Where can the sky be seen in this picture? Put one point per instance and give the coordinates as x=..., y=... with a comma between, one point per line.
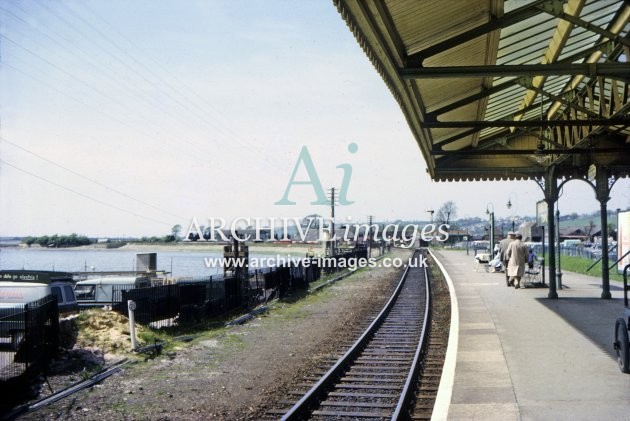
x=125, y=118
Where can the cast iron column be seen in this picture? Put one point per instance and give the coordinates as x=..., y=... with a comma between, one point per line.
x=602, y=190
x=492, y=235
x=551, y=233
x=550, y=189
x=557, y=243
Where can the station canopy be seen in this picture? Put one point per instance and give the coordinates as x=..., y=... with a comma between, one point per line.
x=504, y=90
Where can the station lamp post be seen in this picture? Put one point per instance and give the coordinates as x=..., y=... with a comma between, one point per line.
x=431, y=211
x=509, y=206
x=490, y=211
x=448, y=216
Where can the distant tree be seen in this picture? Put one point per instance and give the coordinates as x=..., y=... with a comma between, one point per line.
x=43, y=240
x=29, y=241
x=176, y=230
x=56, y=240
x=446, y=212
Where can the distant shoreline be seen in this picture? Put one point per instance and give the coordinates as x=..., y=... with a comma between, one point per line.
x=253, y=248
x=258, y=248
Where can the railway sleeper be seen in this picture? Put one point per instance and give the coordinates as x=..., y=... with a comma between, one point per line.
x=358, y=404
x=399, y=380
x=381, y=414
x=364, y=395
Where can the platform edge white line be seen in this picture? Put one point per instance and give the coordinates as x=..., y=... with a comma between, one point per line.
x=445, y=390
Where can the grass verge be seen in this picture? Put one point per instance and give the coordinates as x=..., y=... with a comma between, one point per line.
x=581, y=264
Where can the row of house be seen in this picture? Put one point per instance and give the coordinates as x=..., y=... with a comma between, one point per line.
x=532, y=232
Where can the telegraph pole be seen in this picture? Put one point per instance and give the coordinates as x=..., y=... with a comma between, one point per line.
x=557, y=245
x=332, y=221
x=369, y=233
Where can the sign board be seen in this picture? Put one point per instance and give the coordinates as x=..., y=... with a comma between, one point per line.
x=623, y=239
x=40, y=276
x=541, y=213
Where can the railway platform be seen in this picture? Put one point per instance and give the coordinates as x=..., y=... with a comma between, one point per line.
x=518, y=355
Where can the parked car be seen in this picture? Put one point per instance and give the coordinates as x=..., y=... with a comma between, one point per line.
x=66, y=300
x=571, y=243
x=481, y=245
x=108, y=290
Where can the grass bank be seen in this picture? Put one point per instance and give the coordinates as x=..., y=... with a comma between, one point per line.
x=580, y=264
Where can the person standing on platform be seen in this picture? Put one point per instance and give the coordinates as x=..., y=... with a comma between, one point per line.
x=531, y=258
x=503, y=248
x=517, y=254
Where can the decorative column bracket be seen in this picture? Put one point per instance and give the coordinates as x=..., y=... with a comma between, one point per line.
x=549, y=186
x=603, y=183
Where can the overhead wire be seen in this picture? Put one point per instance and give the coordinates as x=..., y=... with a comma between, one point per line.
x=99, y=111
x=66, y=73
x=78, y=193
x=191, y=108
x=218, y=124
x=90, y=179
x=100, y=92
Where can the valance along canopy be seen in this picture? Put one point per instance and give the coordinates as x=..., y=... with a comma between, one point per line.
x=495, y=89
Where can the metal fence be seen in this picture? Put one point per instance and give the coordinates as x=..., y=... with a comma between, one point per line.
x=277, y=282
x=196, y=299
x=592, y=253
x=191, y=300
x=29, y=338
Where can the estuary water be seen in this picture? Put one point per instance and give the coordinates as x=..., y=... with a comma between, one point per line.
x=179, y=263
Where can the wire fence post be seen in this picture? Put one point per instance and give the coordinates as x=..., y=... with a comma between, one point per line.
x=131, y=306
x=28, y=331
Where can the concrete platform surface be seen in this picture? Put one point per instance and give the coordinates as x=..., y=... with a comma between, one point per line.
x=522, y=356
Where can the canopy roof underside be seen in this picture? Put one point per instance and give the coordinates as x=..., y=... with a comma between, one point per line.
x=495, y=89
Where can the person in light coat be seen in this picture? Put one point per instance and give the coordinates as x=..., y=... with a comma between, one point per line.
x=503, y=247
x=517, y=255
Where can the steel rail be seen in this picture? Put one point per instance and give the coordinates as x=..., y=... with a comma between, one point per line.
x=311, y=398
x=422, y=343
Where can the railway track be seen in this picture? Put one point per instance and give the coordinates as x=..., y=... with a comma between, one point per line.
x=376, y=377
